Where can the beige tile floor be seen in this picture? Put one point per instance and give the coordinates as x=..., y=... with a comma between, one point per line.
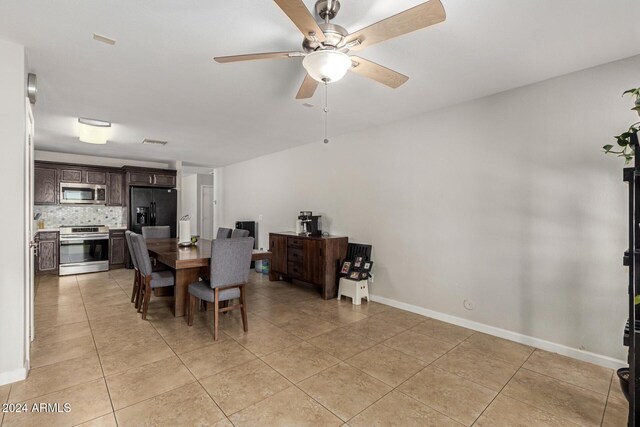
x=304, y=361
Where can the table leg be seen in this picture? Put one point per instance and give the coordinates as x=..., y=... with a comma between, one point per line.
x=184, y=277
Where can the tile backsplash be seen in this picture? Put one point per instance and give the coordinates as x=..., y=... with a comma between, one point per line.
x=55, y=216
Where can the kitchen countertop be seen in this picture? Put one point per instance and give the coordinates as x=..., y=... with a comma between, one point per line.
x=50, y=229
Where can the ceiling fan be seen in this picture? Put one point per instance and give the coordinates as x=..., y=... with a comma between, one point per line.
x=325, y=45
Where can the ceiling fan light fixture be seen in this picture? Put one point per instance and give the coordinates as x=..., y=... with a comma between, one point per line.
x=93, y=131
x=327, y=65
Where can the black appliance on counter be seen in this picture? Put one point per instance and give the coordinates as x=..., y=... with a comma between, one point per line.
x=153, y=206
x=310, y=225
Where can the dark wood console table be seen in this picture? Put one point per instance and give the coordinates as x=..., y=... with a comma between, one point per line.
x=311, y=259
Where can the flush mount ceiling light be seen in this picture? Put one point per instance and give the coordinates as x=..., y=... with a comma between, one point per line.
x=93, y=131
x=327, y=66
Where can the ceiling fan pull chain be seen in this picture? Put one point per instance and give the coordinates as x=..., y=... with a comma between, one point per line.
x=326, y=112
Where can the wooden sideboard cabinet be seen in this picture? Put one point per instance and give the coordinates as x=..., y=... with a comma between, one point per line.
x=310, y=259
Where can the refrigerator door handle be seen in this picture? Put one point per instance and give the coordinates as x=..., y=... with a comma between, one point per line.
x=153, y=213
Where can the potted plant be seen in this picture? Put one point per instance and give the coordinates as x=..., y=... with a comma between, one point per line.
x=624, y=139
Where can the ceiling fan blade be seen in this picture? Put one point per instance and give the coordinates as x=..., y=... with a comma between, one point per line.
x=302, y=18
x=416, y=18
x=377, y=72
x=254, y=56
x=308, y=87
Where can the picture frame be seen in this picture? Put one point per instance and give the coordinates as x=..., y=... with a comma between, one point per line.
x=354, y=275
x=367, y=266
x=364, y=275
x=358, y=261
x=346, y=267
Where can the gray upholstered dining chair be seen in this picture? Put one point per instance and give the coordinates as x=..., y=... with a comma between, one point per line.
x=237, y=233
x=223, y=233
x=149, y=279
x=156, y=232
x=136, y=270
x=230, y=263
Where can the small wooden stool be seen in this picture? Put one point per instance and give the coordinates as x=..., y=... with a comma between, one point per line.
x=356, y=289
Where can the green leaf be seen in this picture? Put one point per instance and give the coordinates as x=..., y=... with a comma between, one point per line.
x=607, y=147
x=622, y=142
x=636, y=299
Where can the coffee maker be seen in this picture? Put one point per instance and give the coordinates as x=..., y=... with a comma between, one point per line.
x=310, y=225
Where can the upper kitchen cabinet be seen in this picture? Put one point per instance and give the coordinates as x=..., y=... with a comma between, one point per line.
x=145, y=177
x=115, y=189
x=95, y=177
x=71, y=175
x=44, y=186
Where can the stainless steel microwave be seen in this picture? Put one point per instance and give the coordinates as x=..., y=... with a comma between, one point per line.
x=90, y=194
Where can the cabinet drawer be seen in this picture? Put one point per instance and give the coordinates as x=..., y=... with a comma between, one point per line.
x=294, y=269
x=295, y=254
x=52, y=235
x=294, y=242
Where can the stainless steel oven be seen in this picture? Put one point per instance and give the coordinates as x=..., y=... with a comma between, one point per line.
x=84, y=249
x=91, y=194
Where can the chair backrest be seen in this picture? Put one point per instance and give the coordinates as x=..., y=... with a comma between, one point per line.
x=142, y=254
x=132, y=254
x=223, y=233
x=230, y=261
x=156, y=232
x=237, y=233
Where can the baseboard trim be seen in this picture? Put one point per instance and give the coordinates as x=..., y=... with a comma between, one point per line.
x=13, y=376
x=586, y=356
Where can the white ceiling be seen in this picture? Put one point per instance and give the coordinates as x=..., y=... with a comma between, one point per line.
x=159, y=80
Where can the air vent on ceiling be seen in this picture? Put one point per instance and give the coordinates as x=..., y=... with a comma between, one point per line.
x=103, y=39
x=154, y=142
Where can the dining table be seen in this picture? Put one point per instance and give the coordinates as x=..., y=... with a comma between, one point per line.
x=188, y=263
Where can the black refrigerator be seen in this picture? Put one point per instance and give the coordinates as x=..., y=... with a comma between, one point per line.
x=153, y=206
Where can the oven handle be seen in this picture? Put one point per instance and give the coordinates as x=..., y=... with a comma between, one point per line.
x=81, y=238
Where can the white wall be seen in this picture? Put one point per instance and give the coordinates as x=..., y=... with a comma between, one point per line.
x=12, y=134
x=190, y=200
x=507, y=201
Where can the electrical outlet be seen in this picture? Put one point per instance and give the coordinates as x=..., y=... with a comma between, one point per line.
x=370, y=277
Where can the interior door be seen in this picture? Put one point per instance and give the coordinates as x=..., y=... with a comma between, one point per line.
x=29, y=329
x=166, y=205
x=206, y=214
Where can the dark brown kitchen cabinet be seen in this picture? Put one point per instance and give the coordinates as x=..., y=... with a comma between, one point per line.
x=44, y=186
x=278, y=249
x=115, y=189
x=71, y=175
x=140, y=178
x=117, y=249
x=164, y=180
x=310, y=259
x=47, y=257
x=95, y=177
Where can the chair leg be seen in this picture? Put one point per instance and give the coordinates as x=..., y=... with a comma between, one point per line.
x=147, y=296
x=243, y=310
x=134, y=291
x=191, y=309
x=141, y=294
x=215, y=314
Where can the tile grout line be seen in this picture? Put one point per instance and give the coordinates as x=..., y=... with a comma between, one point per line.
x=606, y=403
x=502, y=389
x=104, y=378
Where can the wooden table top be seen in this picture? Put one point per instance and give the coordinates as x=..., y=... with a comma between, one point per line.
x=169, y=253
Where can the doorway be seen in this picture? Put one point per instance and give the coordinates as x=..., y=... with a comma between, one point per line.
x=206, y=212
x=29, y=291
